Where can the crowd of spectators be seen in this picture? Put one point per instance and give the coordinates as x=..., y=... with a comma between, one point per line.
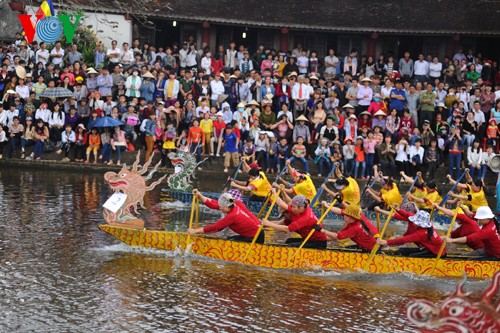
x=267, y=105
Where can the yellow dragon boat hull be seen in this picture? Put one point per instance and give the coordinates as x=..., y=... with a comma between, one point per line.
x=275, y=256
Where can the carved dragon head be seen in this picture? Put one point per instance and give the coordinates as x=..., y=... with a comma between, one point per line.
x=457, y=313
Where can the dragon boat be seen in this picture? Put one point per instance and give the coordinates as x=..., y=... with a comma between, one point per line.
x=255, y=206
x=283, y=257
x=129, y=186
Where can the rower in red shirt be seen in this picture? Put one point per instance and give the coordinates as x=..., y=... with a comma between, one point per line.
x=406, y=210
x=358, y=228
x=489, y=234
x=238, y=218
x=424, y=236
x=299, y=218
x=468, y=225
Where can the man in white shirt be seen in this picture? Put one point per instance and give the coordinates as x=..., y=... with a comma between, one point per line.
x=300, y=95
x=230, y=58
x=440, y=93
x=463, y=96
x=303, y=62
x=241, y=90
x=478, y=114
x=421, y=69
x=183, y=53
x=127, y=56
x=239, y=55
x=57, y=54
x=42, y=55
x=113, y=55
x=217, y=88
x=331, y=63
x=206, y=63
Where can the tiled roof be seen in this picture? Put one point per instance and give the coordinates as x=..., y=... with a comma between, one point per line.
x=421, y=17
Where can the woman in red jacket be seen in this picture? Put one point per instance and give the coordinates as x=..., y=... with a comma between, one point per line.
x=299, y=218
x=489, y=234
x=468, y=225
x=357, y=228
x=424, y=235
x=406, y=210
x=238, y=218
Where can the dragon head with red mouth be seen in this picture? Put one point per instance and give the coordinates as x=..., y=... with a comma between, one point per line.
x=458, y=313
x=118, y=181
x=132, y=183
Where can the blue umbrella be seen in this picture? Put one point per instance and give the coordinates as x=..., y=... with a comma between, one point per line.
x=57, y=92
x=107, y=122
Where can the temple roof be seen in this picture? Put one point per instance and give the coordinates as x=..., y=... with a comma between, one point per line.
x=437, y=17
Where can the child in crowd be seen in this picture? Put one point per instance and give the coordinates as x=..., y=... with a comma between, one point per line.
x=249, y=151
x=68, y=139
x=230, y=144
x=272, y=148
x=168, y=145
x=349, y=156
x=299, y=153
x=282, y=151
x=359, y=151
x=207, y=126
x=80, y=143
x=322, y=159
x=336, y=156
x=492, y=135
x=94, y=145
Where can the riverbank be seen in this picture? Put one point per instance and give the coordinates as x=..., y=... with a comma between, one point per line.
x=211, y=167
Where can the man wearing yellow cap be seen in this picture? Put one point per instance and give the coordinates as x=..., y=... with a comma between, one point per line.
x=360, y=231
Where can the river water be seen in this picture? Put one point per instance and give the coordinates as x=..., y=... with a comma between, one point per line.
x=60, y=273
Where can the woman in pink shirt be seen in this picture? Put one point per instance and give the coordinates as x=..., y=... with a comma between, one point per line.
x=369, y=145
x=118, y=144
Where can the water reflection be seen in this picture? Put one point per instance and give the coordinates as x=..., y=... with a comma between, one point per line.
x=58, y=272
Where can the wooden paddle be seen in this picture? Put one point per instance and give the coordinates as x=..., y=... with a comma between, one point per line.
x=441, y=249
x=378, y=221
x=405, y=198
x=320, y=190
x=261, y=211
x=376, y=246
x=261, y=226
x=375, y=178
x=235, y=174
x=197, y=213
x=194, y=203
x=312, y=230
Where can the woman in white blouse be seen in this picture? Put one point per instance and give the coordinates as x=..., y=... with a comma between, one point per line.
x=402, y=150
x=56, y=124
x=435, y=68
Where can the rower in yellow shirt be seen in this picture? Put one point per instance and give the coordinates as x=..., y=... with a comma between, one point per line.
x=431, y=195
x=388, y=194
x=347, y=187
x=419, y=192
x=471, y=194
x=302, y=185
x=258, y=185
